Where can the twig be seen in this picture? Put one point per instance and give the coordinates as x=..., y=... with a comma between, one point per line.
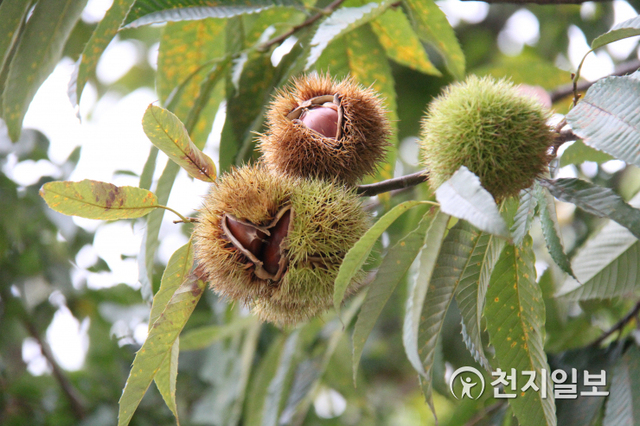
x=392, y=184
x=63, y=381
x=567, y=89
x=282, y=37
x=619, y=325
x=561, y=138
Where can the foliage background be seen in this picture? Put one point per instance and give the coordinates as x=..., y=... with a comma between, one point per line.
x=230, y=376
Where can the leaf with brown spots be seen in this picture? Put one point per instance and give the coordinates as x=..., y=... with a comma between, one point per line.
x=98, y=200
x=167, y=132
x=158, y=347
x=515, y=315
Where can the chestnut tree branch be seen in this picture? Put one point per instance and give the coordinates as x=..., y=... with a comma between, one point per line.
x=392, y=184
x=282, y=37
x=619, y=325
x=567, y=89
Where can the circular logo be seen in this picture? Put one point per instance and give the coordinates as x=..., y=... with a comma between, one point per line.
x=467, y=382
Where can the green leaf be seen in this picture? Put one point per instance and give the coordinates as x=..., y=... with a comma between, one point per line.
x=453, y=259
x=177, y=269
x=150, y=242
x=205, y=336
x=393, y=267
x=13, y=13
x=401, y=42
x=340, y=22
x=524, y=215
x=358, y=254
x=100, y=39
x=607, y=265
x=166, y=378
x=98, y=200
x=191, y=62
x=431, y=25
x=463, y=197
x=419, y=285
x=246, y=100
x=167, y=132
x=146, y=12
x=39, y=51
x=626, y=29
x=551, y=229
x=596, y=200
x=149, y=168
x=578, y=153
x=607, y=117
x=273, y=398
x=471, y=292
x=515, y=317
x=623, y=403
x=158, y=346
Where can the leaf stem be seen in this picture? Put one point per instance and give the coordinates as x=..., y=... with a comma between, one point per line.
x=182, y=218
x=619, y=325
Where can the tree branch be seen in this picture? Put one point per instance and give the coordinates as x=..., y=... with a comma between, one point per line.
x=67, y=387
x=543, y=2
x=567, y=89
x=619, y=325
x=392, y=184
x=282, y=37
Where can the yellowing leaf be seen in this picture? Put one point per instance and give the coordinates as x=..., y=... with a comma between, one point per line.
x=98, y=200
x=168, y=133
x=401, y=42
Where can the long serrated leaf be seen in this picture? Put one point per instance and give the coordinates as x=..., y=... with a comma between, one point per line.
x=247, y=355
x=166, y=378
x=628, y=28
x=551, y=229
x=431, y=25
x=39, y=51
x=401, y=42
x=599, y=201
x=340, y=22
x=524, y=215
x=358, y=254
x=463, y=197
x=245, y=105
x=515, y=317
x=98, y=200
x=452, y=261
x=607, y=264
x=607, y=118
x=205, y=336
x=150, y=242
x=578, y=153
x=146, y=12
x=623, y=403
x=149, y=168
x=100, y=39
x=419, y=285
x=158, y=346
x=393, y=267
x=167, y=132
x=273, y=398
x=471, y=292
x=13, y=14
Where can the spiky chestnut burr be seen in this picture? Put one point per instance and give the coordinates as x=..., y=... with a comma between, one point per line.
x=324, y=128
x=276, y=242
x=490, y=127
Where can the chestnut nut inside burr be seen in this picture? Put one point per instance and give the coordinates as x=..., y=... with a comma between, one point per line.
x=322, y=114
x=262, y=245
